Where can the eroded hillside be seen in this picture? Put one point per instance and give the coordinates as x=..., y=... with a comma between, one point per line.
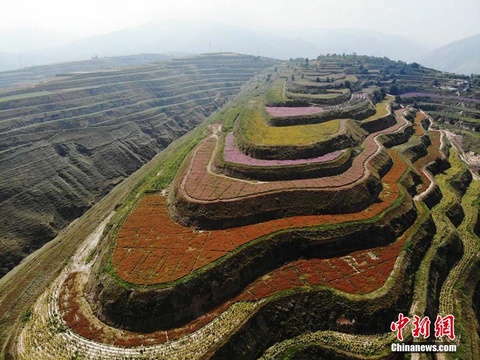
x=68, y=141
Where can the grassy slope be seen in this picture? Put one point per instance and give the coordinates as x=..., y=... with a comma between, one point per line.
x=256, y=130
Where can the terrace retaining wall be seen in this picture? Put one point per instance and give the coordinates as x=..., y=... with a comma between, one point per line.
x=145, y=309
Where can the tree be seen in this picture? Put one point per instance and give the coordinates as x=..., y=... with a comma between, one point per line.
x=394, y=89
x=317, y=79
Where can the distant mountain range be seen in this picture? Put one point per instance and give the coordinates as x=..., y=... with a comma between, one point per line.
x=169, y=37
x=462, y=56
x=9, y=61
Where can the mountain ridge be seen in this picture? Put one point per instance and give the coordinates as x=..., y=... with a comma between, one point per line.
x=461, y=56
x=202, y=37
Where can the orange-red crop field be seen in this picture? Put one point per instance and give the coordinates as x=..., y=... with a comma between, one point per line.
x=359, y=272
x=417, y=125
x=152, y=248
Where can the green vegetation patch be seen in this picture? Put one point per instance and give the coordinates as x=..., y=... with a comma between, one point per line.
x=381, y=109
x=25, y=96
x=254, y=128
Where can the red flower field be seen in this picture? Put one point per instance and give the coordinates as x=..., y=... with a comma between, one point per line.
x=152, y=248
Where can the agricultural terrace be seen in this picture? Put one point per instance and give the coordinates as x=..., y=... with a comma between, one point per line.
x=360, y=272
x=199, y=189
x=293, y=111
x=431, y=149
x=233, y=155
x=254, y=127
x=331, y=97
x=302, y=263
x=357, y=273
x=344, y=273
x=151, y=248
x=197, y=178
x=381, y=109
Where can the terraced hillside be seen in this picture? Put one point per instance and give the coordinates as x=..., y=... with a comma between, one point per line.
x=289, y=225
x=35, y=74
x=67, y=142
x=452, y=100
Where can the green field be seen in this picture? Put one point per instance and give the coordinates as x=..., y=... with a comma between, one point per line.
x=255, y=129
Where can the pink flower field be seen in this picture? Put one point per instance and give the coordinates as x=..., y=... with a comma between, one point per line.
x=293, y=111
x=233, y=155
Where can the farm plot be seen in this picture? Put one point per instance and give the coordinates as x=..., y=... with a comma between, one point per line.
x=233, y=155
x=360, y=272
x=152, y=248
x=381, y=109
x=200, y=184
x=332, y=97
x=417, y=124
x=433, y=153
x=293, y=111
x=254, y=127
x=357, y=273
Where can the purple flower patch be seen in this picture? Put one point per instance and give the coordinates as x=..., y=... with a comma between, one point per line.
x=233, y=155
x=293, y=111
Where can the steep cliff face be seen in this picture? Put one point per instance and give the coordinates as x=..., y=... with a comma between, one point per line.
x=67, y=142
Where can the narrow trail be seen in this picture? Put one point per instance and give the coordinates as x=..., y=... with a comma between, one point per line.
x=451, y=137
x=428, y=174
x=46, y=336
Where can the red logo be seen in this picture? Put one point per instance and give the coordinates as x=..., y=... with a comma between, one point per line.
x=444, y=326
x=399, y=325
x=421, y=327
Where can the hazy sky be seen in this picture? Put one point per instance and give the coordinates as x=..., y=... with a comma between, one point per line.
x=432, y=21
